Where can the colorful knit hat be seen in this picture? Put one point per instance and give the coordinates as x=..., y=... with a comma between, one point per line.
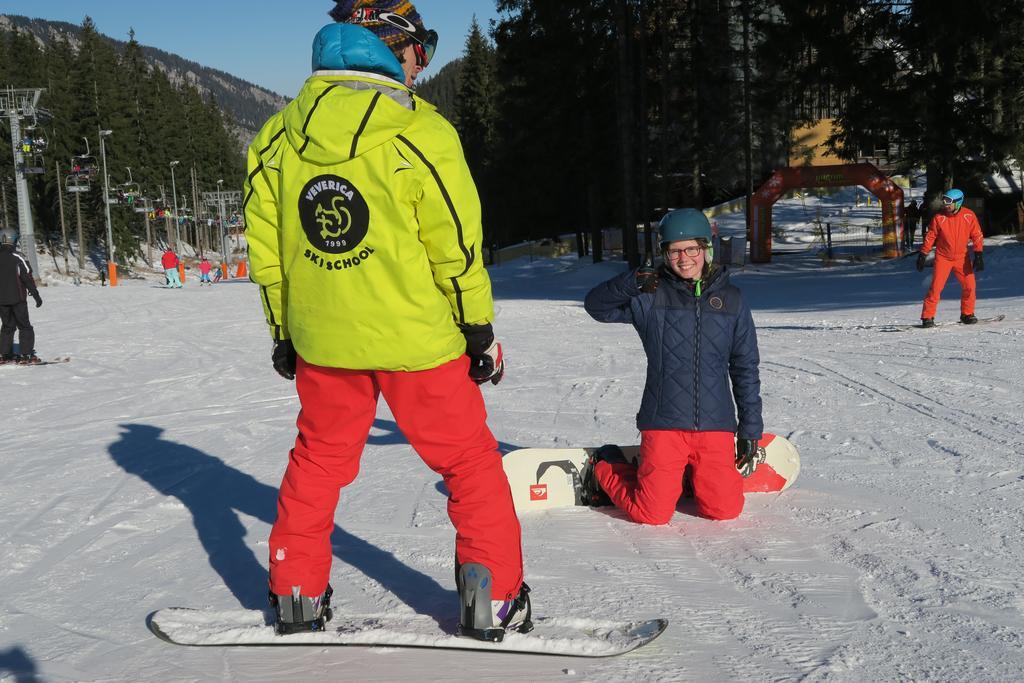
x=395, y=38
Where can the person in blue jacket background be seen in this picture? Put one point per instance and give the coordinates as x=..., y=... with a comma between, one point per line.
x=703, y=386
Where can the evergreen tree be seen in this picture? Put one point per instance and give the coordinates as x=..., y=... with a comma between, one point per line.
x=442, y=89
x=939, y=88
x=476, y=107
x=96, y=87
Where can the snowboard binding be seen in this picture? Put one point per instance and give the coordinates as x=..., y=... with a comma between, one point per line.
x=484, y=619
x=297, y=613
x=590, y=489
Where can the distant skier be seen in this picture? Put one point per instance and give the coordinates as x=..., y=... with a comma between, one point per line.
x=170, y=263
x=364, y=232
x=911, y=215
x=699, y=338
x=204, y=272
x=950, y=232
x=16, y=284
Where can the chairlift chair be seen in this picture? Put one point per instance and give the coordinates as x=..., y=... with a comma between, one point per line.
x=76, y=183
x=85, y=164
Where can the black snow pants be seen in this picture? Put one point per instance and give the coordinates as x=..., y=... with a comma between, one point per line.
x=15, y=317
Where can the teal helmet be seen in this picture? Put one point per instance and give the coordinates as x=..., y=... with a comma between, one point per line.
x=953, y=198
x=684, y=224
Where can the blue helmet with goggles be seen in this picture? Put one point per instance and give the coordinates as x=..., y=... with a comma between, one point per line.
x=954, y=199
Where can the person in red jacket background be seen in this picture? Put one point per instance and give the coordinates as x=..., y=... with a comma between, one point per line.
x=204, y=272
x=170, y=263
x=949, y=233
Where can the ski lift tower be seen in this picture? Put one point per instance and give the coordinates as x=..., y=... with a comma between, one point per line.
x=17, y=104
x=217, y=200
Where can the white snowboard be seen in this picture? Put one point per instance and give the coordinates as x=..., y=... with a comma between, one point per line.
x=545, y=478
x=550, y=636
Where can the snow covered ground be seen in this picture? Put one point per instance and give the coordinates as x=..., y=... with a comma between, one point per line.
x=143, y=475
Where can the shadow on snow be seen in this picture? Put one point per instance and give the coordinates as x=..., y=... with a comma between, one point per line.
x=215, y=494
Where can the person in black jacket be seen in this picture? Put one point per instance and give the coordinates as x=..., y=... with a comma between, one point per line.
x=15, y=283
x=703, y=385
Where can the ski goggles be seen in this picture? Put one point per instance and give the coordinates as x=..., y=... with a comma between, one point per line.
x=424, y=41
x=948, y=201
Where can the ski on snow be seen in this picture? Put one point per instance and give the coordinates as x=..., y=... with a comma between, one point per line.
x=53, y=361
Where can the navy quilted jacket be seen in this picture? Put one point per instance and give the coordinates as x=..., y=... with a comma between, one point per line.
x=694, y=346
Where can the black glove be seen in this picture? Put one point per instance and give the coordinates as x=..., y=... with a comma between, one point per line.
x=746, y=456
x=486, y=363
x=647, y=279
x=39, y=299
x=284, y=358
x=921, y=259
x=979, y=263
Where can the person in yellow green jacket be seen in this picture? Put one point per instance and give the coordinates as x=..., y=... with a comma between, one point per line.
x=364, y=232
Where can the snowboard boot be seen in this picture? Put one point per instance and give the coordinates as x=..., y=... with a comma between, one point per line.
x=927, y=322
x=296, y=613
x=968, y=319
x=590, y=489
x=7, y=358
x=485, y=619
x=29, y=358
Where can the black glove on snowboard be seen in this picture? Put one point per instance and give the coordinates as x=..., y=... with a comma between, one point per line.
x=979, y=262
x=647, y=279
x=921, y=259
x=39, y=299
x=486, y=363
x=746, y=456
x=284, y=358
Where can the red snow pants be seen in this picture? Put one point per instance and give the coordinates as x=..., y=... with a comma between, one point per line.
x=964, y=272
x=649, y=493
x=441, y=412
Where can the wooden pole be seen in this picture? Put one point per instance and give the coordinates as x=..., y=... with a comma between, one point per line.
x=63, y=225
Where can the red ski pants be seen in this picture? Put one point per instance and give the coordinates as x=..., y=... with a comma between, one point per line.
x=649, y=493
x=441, y=412
x=964, y=272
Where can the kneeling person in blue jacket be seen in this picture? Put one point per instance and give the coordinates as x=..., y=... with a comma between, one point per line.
x=702, y=387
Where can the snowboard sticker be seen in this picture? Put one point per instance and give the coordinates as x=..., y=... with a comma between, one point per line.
x=564, y=636
x=546, y=478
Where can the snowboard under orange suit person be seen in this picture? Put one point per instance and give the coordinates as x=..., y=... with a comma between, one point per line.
x=949, y=233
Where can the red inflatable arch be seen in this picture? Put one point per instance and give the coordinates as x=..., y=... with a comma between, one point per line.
x=759, y=220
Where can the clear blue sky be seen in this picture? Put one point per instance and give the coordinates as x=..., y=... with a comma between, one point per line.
x=266, y=42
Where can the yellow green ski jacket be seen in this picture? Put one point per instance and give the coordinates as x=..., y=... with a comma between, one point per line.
x=363, y=226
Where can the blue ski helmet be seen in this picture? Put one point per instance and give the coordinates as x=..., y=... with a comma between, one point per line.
x=953, y=198
x=684, y=224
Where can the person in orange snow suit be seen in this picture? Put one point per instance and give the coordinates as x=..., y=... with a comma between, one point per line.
x=365, y=235
x=949, y=232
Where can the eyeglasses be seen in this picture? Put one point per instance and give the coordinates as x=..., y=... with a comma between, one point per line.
x=424, y=41
x=674, y=254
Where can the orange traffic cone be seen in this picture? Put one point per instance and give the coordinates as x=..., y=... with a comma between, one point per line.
x=224, y=271
x=243, y=270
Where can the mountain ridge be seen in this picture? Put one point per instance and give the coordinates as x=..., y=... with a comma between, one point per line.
x=248, y=104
